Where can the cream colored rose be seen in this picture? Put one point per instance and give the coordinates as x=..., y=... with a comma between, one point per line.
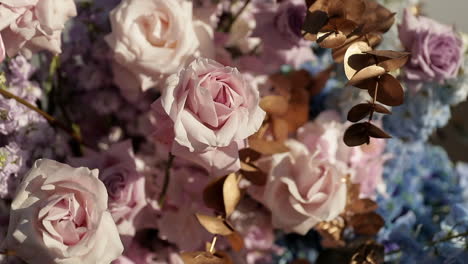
x=152, y=39
x=59, y=215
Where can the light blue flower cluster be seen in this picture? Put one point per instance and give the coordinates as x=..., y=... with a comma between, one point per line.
x=421, y=188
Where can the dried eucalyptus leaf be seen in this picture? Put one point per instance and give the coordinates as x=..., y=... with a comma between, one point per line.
x=367, y=73
x=359, y=112
x=215, y=225
x=253, y=174
x=367, y=224
x=274, y=104
x=249, y=155
x=213, y=195
x=236, y=241
x=376, y=132
x=356, y=64
x=331, y=39
x=201, y=257
x=231, y=194
x=343, y=25
x=356, y=135
x=369, y=253
x=267, y=147
x=280, y=129
x=389, y=91
x=394, y=64
x=382, y=109
x=362, y=206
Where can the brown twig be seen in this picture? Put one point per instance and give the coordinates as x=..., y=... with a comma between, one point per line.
x=167, y=174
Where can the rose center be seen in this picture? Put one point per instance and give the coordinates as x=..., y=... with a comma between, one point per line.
x=156, y=28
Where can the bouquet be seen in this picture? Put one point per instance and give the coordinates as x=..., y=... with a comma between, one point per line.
x=229, y=131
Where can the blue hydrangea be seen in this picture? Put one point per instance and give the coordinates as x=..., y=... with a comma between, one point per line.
x=418, y=117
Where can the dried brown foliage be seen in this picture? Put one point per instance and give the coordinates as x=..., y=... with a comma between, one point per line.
x=352, y=28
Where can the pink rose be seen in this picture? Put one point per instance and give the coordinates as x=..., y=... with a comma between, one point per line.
x=125, y=185
x=205, y=114
x=324, y=137
x=153, y=39
x=32, y=25
x=2, y=49
x=302, y=190
x=60, y=215
x=436, y=49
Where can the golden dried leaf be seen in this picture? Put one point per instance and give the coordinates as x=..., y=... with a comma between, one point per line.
x=201, y=257
x=389, y=91
x=249, y=155
x=215, y=225
x=280, y=129
x=356, y=63
x=231, y=194
x=266, y=147
x=369, y=253
x=354, y=9
x=313, y=22
x=339, y=52
x=274, y=104
x=356, y=135
x=343, y=25
x=331, y=39
x=335, y=8
x=213, y=195
x=367, y=224
x=236, y=241
x=331, y=232
x=366, y=73
x=359, y=112
x=362, y=206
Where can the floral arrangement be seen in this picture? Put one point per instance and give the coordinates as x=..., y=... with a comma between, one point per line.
x=214, y=131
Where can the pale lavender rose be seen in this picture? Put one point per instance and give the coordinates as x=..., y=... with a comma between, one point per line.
x=153, y=39
x=32, y=25
x=125, y=185
x=184, y=199
x=436, y=49
x=302, y=190
x=59, y=215
x=279, y=27
x=210, y=110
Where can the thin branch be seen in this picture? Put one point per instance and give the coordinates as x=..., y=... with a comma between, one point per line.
x=167, y=174
x=49, y=118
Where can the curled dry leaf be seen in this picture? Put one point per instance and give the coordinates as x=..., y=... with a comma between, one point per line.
x=359, y=112
x=231, y=193
x=274, y=104
x=366, y=224
x=201, y=257
x=376, y=132
x=369, y=253
x=215, y=225
x=366, y=73
x=339, y=52
x=332, y=232
x=266, y=147
x=356, y=135
x=331, y=39
x=353, y=63
x=213, y=195
x=390, y=91
x=381, y=109
x=236, y=241
x=253, y=174
x=363, y=206
x=249, y=155
x=390, y=60
x=280, y=129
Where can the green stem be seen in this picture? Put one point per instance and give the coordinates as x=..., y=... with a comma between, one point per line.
x=167, y=174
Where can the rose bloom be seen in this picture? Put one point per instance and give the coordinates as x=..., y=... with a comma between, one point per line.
x=324, y=137
x=125, y=185
x=152, y=39
x=31, y=25
x=60, y=215
x=302, y=190
x=436, y=49
x=206, y=113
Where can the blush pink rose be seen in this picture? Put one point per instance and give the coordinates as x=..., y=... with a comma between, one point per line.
x=28, y=26
x=125, y=185
x=2, y=49
x=302, y=190
x=324, y=136
x=152, y=39
x=59, y=215
x=206, y=113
